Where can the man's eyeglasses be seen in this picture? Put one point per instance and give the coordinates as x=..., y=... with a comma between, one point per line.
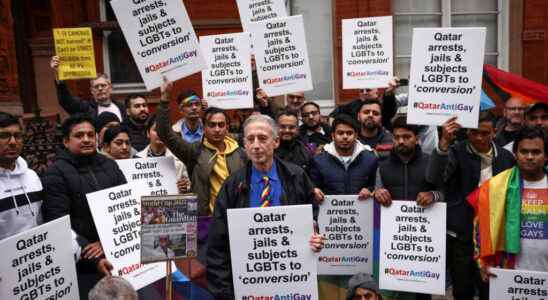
x=6, y=136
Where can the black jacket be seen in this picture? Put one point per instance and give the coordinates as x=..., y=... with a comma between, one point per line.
x=66, y=184
x=316, y=138
x=294, y=152
x=458, y=173
x=405, y=180
x=297, y=190
x=74, y=105
x=137, y=134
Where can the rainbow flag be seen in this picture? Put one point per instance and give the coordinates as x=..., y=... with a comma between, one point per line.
x=499, y=86
x=497, y=206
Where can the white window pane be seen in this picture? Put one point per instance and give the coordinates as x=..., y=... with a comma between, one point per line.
x=404, y=30
x=409, y=6
x=488, y=21
x=473, y=5
x=317, y=16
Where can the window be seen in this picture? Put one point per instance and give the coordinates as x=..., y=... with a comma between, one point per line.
x=117, y=59
x=491, y=14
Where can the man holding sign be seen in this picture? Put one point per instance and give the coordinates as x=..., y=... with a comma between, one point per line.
x=263, y=182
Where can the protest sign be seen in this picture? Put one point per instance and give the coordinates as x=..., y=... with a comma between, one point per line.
x=168, y=227
x=412, y=248
x=518, y=285
x=159, y=173
x=259, y=10
x=367, y=52
x=227, y=83
x=74, y=46
x=37, y=264
x=271, y=256
x=116, y=213
x=161, y=39
x=281, y=56
x=348, y=226
x=445, y=76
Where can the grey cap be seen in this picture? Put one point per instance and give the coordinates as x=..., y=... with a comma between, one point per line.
x=361, y=280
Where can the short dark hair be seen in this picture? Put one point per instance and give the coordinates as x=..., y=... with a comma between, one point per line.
x=486, y=116
x=212, y=110
x=370, y=102
x=74, y=120
x=310, y=103
x=286, y=112
x=185, y=94
x=536, y=107
x=8, y=120
x=128, y=99
x=401, y=122
x=150, y=122
x=112, y=133
x=530, y=133
x=346, y=120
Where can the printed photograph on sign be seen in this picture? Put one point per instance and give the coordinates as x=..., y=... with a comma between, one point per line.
x=412, y=247
x=74, y=46
x=161, y=39
x=348, y=226
x=367, y=52
x=168, y=227
x=281, y=56
x=227, y=82
x=446, y=75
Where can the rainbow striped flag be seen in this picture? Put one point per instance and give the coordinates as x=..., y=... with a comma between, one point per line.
x=497, y=206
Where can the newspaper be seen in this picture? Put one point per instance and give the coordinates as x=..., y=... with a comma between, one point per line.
x=168, y=229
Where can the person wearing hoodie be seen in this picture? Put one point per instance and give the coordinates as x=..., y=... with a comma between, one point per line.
x=345, y=167
x=402, y=176
x=78, y=170
x=291, y=148
x=20, y=187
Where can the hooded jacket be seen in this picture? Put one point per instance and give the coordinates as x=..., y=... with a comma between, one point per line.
x=67, y=182
x=20, y=199
x=137, y=134
x=198, y=158
x=331, y=176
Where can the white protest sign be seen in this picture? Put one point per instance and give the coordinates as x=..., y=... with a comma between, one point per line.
x=161, y=39
x=348, y=225
x=445, y=76
x=116, y=212
x=227, y=83
x=412, y=248
x=367, y=52
x=518, y=285
x=259, y=10
x=159, y=173
x=271, y=256
x=281, y=56
x=37, y=264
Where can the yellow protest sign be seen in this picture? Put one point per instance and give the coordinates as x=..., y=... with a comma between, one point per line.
x=74, y=46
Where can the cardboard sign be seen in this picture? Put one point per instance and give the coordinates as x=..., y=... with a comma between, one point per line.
x=281, y=56
x=518, y=285
x=270, y=251
x=259, y=10
x=117, y=215
x=348, y=226
x=159, y=173
x=445, y=76
x=412, y=248
x=227, y=83
x=74, y=46
x=367, y=52
x=161, y=39
x=37, y=264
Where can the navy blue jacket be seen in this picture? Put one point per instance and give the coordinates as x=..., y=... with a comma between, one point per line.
x=329, y=174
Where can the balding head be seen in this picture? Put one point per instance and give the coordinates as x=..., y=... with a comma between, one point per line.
x=514, y=110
